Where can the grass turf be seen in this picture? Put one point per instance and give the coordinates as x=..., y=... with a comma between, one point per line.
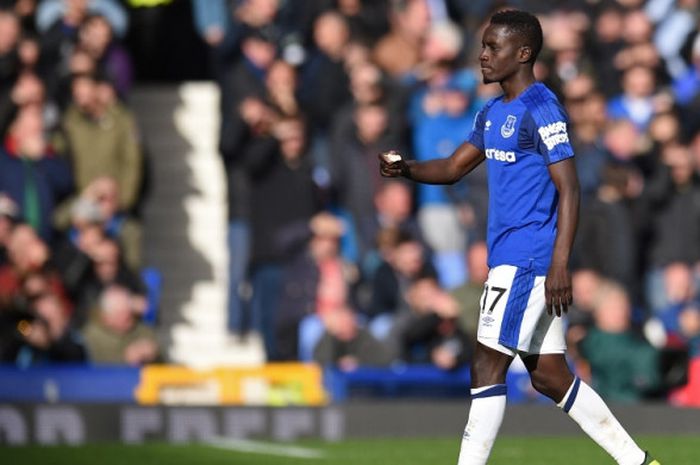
x=670, y=450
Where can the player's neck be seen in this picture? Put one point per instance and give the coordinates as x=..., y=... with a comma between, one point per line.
x=516, y=84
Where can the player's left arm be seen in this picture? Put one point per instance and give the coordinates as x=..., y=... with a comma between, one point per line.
x=558, y=282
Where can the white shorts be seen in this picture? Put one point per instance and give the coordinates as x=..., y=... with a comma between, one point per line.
x=513, y=318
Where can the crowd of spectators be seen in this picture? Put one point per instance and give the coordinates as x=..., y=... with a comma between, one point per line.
x=331, y=262
x=71, y=173
x=328, y=260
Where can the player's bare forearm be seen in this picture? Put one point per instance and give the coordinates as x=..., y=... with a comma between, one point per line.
x=566, y=181
x=558, y=291
x=439, y=171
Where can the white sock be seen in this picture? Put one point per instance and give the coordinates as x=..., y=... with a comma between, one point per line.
x=485, y=417
x=587, y=409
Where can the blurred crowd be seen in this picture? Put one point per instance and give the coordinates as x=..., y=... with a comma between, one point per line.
x=330, y=262
x=72, y=285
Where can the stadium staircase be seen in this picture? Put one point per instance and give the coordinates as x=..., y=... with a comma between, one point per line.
x=184, y=218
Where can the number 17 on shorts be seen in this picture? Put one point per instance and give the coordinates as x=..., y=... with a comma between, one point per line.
x=513, y=317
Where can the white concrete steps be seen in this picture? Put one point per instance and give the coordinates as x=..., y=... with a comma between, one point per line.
x=185, y=223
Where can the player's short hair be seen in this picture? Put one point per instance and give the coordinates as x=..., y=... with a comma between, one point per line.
x=525, y=25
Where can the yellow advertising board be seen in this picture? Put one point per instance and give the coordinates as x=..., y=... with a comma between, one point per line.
x=275, y=384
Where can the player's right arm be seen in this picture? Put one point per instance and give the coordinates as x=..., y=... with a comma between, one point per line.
x=448, y=170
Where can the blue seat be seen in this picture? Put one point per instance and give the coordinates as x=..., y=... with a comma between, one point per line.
x=153, y=279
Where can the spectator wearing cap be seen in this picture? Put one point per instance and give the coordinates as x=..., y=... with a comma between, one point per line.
x=8, y=218
x=30, y=172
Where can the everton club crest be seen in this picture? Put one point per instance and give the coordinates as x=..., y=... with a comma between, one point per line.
x=508, y=127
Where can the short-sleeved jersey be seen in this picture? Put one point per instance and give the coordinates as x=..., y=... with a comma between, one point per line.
x=520, y=138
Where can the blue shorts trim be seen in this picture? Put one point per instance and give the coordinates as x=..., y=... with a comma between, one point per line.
x=523, y=282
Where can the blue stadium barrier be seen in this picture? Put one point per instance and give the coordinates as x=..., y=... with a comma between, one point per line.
x=417, y=381
x=117, y=383
x=69, y=383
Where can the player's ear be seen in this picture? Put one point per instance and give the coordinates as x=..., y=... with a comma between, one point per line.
x=525, y=54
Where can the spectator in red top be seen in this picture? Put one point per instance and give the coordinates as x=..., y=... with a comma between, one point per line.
x=28, y=274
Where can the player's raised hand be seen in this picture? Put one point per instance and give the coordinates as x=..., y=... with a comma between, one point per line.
x=392, y=164
x=557, y=290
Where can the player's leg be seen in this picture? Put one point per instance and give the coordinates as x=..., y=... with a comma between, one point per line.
x=490, y=364
x=551, y=376
x=488, y=404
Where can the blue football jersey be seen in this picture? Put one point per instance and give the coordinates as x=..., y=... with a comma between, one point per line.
x=520, y=139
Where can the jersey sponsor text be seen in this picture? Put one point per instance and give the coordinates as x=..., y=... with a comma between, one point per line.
x=500, y=155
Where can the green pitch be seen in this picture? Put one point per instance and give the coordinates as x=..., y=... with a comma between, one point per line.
x=671, y=450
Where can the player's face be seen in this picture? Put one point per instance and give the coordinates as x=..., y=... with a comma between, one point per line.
x=500, y=54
